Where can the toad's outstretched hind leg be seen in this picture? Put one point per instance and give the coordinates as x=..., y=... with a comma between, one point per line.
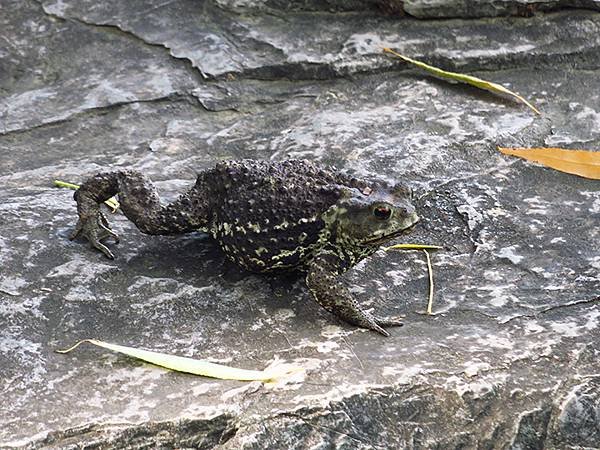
x=141, y=204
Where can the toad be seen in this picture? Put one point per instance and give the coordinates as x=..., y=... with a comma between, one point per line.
x=267, y=216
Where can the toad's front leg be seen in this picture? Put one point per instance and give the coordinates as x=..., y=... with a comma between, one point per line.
x=331, y=294
x=140, y=203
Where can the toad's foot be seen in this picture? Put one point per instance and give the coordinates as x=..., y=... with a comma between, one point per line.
x=366, y=320
x=331, y=294
x=95, y=228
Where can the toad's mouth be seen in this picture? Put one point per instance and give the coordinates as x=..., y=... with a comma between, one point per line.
x=390, y=236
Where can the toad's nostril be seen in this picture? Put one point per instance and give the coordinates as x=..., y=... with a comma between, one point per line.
x=406, y=211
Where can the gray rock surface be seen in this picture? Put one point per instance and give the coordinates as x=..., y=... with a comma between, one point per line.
x=511, y=358
x=485, y=8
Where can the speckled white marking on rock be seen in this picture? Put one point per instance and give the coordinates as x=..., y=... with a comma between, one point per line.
x=175, y=290
x=324, y=347
x=478, y=388
x=12, y=284
x=510, y=254
x=474, y=217
x=485, y=52
x=537, y=205
x=533, y=327
x=567, y=328
x=23, y=306
x=246, y=388
x=592, y=319
x=595, y=208
x=30, y=355
x=81, y=275
x=498, y=294
x=57, y=8
x=334, y=332
x=283, y=314
x=495, y=342
x=473, y=368
x=402, y=374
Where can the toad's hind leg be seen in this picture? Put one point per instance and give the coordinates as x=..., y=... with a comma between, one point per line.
x=141, y=204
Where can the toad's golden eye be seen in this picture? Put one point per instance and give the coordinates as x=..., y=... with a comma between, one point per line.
x=382, y=212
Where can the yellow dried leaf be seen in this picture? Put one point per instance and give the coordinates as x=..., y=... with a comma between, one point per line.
x=585, y=163
x=468, y=79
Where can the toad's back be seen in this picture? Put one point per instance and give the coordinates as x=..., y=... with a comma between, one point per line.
x=268, y=215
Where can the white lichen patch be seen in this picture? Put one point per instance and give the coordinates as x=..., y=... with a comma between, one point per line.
x=23, y=306
x=334, y=332
x=81, y=276
x=533, y=327
x=476, y=386
x=595, y=197
x=510, y=253
x=169, y=290
x=202, y=389
x=136, y=409
x=495, y=341
x=12, y=284
x=403, y=374
x=283, y=314
x=568, y=328
x=493, y=275
x=471, y=209
x=473, y=368
x=327, y=346
x=399, y=277
x=323, y=347
x=338, y=392
x=542, y=271
x=58, y=8
x=537, y=205
x=499, y=295
x=487, y=51
x=592, y=318
x=240, y=391
x=132, y=377
x=30, y=356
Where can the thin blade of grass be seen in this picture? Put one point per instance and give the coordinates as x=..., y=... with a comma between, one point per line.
x=468, y=79
x=193, y=366
x=430, y=272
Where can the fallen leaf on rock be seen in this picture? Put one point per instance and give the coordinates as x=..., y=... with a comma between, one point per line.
x=468, y=79
x=195, y=366
x=112, y=203
x=585, y=163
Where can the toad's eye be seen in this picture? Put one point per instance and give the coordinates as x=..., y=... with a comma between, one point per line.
x=382, y=212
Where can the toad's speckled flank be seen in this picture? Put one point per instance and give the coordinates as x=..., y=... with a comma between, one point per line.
x=267, y=216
